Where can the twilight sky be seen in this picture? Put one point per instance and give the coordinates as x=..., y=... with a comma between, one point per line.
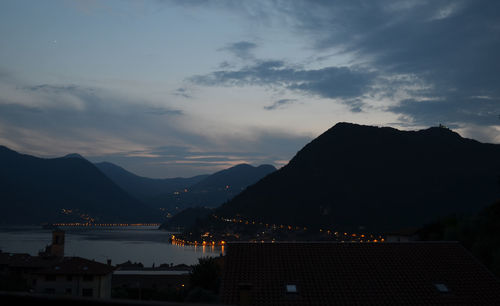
x=179, y=88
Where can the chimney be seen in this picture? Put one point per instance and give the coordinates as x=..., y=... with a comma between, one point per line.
x=245, y=290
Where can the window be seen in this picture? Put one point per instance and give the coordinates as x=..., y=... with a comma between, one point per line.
x=49, y=291
x=88, y=278
x=87, y=292
x=69, y=278
x=68, y=291
x=291, y=288
x=442, y=288
x=50, y=278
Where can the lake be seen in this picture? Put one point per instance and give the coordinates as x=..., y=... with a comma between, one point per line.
x=137, y=244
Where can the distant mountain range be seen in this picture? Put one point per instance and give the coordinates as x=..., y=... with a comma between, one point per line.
x=72, y=189
x=356, y=177
x=67, y=189
x=176, y=194
x=146, y=188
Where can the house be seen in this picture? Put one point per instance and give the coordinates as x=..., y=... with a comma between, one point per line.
x=163, y=278
x=52, y=273
x=326, y=273
x=74, y=276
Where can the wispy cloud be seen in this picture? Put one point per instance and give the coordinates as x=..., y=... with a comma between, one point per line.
x=241, y=49
x=328, y=82
x=280, y=104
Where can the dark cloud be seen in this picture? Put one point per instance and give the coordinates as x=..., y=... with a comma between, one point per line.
x=478, y=111
x=329, y=82
x=241, y=49
x=182, y=92
x=448, y=47
x=163, y=111
x=451, y=46
x=280, y=104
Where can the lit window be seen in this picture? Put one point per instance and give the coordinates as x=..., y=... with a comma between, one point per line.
x=291, y=288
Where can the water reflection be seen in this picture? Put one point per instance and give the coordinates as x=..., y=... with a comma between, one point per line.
x=137, y=245
x=212, y=250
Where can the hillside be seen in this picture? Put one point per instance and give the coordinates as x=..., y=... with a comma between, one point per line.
x=363, y=177
x=35, y=190
x=143, y=187
x=215, y=189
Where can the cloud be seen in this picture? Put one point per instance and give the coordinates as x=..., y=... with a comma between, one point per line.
x=280, y=104
x=59, y=119
x=241, y=49
x=182, y=92
x=263, y=147
x=476, y=111
x=450, y=46
x=163, y=111
x=148, y=137
x=328, y=82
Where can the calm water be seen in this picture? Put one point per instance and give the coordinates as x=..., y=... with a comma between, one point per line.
x=137, y=244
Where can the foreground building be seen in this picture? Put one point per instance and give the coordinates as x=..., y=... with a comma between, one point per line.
x=74, y=276
x=130, y=276
x=418, y=273
x=52, y=273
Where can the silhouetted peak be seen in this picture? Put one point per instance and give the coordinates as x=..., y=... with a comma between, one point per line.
x=345, y=128
x=267, y=166
x=74, y=155
x=6, y=150
x=440, y=130
x=106, y=164
x=241, y=166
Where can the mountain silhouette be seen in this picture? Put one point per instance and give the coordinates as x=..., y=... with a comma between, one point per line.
x=364, y=177
x=215, y=189
x=142, y=187
x=35, y=190
x=175, y=194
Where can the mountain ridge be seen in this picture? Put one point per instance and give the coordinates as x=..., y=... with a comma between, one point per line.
x=36, y=190
x=412, y=176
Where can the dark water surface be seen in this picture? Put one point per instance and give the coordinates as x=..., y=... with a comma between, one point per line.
x=137, y=244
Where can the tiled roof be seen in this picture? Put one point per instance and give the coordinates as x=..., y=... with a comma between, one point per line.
x=26, y=261
x=357, y=274
x=77, y=266
x=54, y=265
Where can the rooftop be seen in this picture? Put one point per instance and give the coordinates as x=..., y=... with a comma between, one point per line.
x=54, y=265
x=356, y=273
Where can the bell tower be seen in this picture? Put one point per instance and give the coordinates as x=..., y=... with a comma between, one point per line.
x=57, y=247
